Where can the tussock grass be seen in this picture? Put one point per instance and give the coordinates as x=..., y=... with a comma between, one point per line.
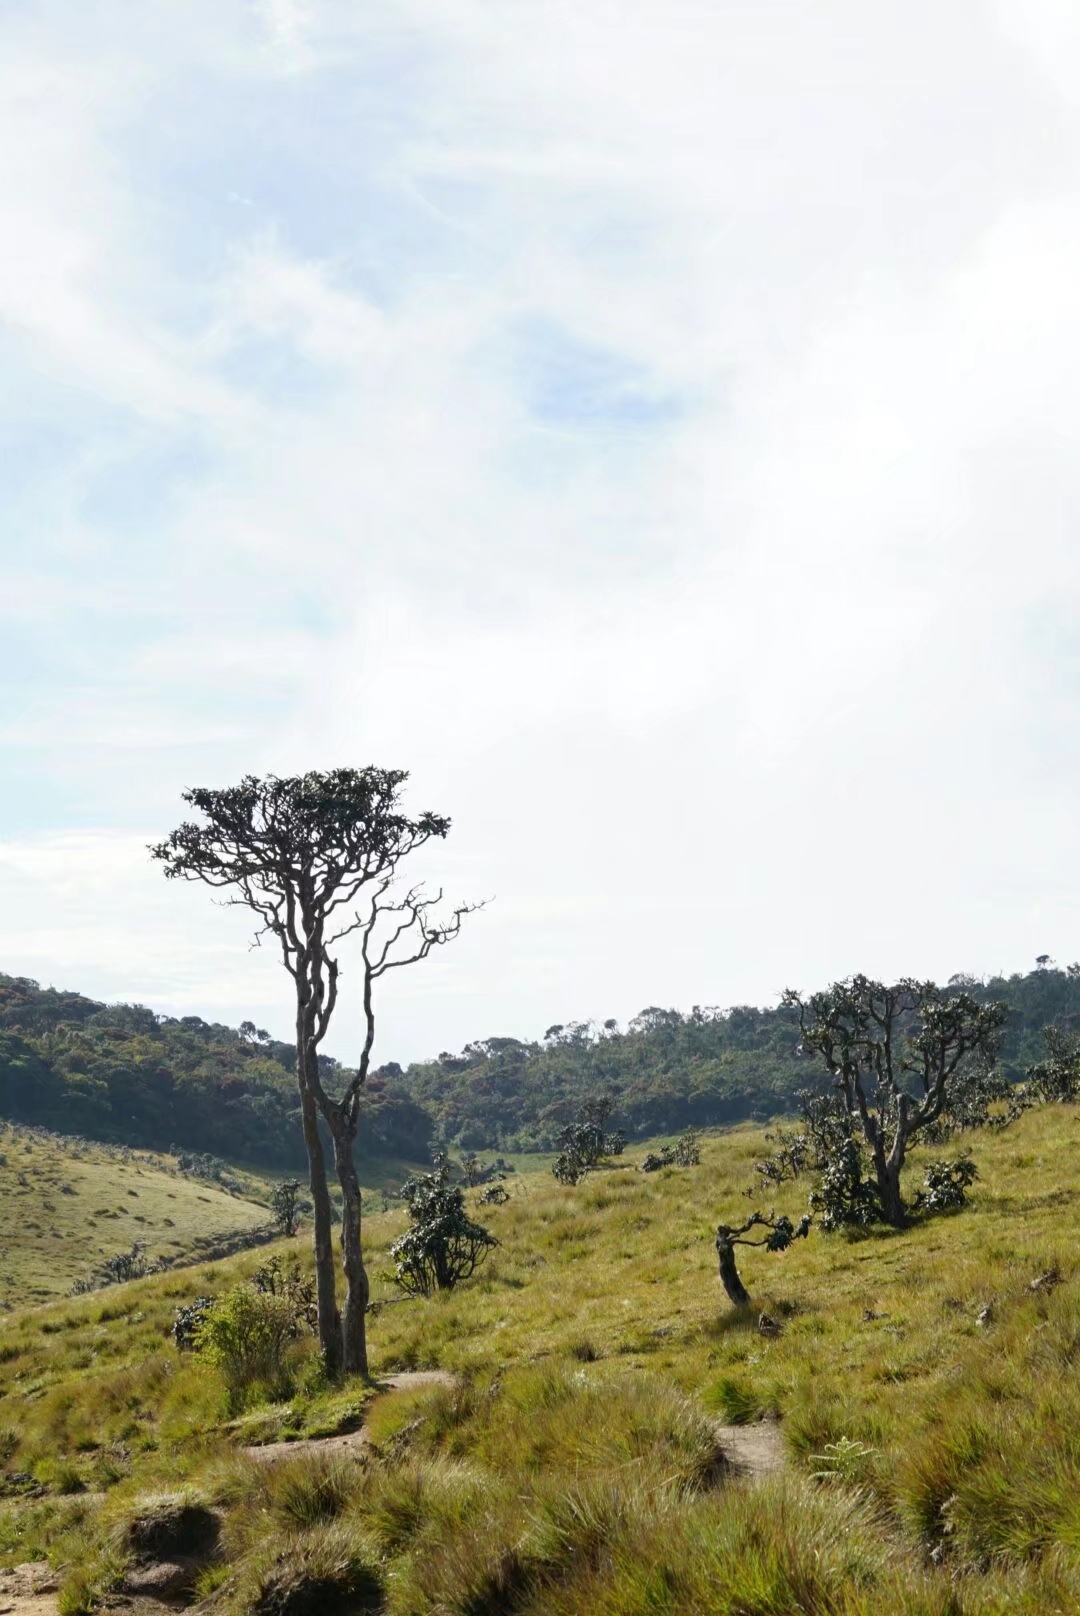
x=557, y=1420
x=573, y=1468
x=325, y=1571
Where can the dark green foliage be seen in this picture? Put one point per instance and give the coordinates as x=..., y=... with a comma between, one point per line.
x=493, y=1195
x=688, y=1149
x=896, y=1052
x=704, y=1069
x=584, y=1144
x=671, y=1070
x=285, y=1205
x=443, y=1245
x=116, y=1270
x=843, y=1197
x=1055, y=1080
x=946, y=1185
x=122, y=1074
x=685, y=1152
x=791, y=1156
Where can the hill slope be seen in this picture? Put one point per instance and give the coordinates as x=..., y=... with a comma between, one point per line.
x=923, y=1382
x=68, y=1206
x=123, y=1074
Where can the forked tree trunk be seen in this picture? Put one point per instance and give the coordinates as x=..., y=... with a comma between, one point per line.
x=329, y=1322
x=887, y=1172
x=357, y=1289
x=729, y=1273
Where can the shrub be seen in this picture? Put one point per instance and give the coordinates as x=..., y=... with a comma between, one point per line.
x=685, y=1152
x=946, y=1185
x=188, y=1321
x=443, y=1245
x=285, y=1205
x=844, y=1198
x=284, y=1277
x=1056, y=1080
x=688, y=1148
x=116, y=1270
x=247, y=1334
x=584, y=1144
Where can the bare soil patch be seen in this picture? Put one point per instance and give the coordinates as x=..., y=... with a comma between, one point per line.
x=753, y=1450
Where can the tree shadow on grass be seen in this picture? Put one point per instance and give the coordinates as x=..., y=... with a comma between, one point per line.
x=746, y=1320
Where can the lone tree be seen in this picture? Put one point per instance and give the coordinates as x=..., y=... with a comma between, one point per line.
x=895, y=1054
x=779, y=1233
x=315, y=857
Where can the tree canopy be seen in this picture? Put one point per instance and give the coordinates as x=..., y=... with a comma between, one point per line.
x=122, y=1074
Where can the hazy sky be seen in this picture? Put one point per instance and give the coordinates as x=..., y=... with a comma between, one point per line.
x=654, y=424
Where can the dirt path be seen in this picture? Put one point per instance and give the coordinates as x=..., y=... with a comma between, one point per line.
x=270, y=1452
x=28, y=1590
x=752, y=1450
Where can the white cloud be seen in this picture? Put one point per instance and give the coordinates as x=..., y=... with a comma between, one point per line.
x=762, y=682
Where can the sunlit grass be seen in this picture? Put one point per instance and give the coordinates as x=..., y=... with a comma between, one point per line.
x=69, y=1205
x=574, y=1468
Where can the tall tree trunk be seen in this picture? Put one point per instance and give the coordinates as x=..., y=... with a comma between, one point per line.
x=729, y=1273
x=323, y=1233
x=357, y=1289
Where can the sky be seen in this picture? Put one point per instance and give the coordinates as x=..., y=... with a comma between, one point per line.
x=652, y=424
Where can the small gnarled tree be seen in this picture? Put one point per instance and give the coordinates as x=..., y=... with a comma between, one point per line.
x=778, y=1235
x=315, y=857
x=896, y=1053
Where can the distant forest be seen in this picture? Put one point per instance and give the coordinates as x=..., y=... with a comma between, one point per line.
x=123, y=1074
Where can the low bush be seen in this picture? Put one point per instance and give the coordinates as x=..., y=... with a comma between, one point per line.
x=247, y=1335
x=945, y=1185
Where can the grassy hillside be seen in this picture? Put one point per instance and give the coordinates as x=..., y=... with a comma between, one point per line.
x=67, y=1205
x=926, y=1394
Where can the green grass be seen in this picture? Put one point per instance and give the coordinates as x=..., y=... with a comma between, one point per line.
x=934, y=1465
x=69, y=1204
